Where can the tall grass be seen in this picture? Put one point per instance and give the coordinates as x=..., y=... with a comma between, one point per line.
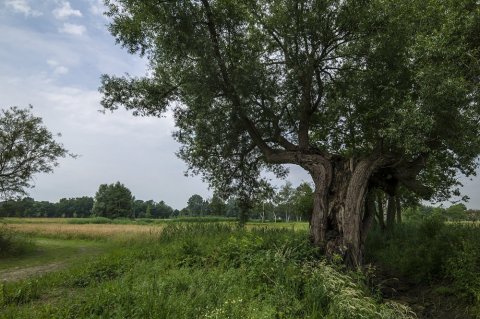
x=432, y=251
x=13, y=244
x=87, y=231
x=201, y=271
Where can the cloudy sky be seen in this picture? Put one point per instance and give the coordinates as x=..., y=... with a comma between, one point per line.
x=52, y=53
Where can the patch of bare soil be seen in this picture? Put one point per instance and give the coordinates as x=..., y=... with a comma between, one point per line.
x=22, y=273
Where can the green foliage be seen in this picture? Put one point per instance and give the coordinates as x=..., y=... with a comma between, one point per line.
x=416, y=251
x=12, y=244
x=26, y=148
x=92, y=220
x=112, y=201
x=390, y=80
x=217, y=206
x=431, y=251
x=65, y=207
x=303, y=201
x=456, y=212
x=201, y=271
x=196, y=206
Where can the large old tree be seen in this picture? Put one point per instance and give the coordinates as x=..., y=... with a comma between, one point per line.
x=372, y=94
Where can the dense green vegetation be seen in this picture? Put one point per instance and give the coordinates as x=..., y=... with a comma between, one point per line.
x=218, y=270
x=432, y=253
x=366, y=96
x=115, y=201
x=201, y=271
x=12, y=244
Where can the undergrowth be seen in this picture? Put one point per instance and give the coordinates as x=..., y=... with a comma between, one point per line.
x=201, y=271
x=432, y=251
x=13, y=244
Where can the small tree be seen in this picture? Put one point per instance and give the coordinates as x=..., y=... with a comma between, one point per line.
x=285, y=200
x=456, y=212
x=196, y=205
x=217, y=206
x=26, y=147
x=112, y=201
x=303, y=201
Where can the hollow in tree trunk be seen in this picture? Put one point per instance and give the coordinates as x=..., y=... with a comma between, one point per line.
x=339, y=220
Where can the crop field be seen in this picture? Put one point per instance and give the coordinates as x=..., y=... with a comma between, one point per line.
x=86, y=231
x=72, y=228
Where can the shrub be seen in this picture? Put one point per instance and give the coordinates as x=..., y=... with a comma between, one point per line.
x=90, y=220
x=12, y=244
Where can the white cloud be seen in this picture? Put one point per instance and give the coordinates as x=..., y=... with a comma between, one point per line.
x=57, y=68
x=74, y=29
x=97, y=7
x=22, y=6
x=60, y=70
x=65, y=11
x=52, y=62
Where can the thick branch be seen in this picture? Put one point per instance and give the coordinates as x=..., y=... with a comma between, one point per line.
x=233, y=96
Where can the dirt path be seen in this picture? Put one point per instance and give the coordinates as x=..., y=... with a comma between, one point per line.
x=50, y=255
x=22, y=273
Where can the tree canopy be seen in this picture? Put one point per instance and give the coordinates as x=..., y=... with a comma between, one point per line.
x=112, y=201
x=27, y=147
x=361, y=94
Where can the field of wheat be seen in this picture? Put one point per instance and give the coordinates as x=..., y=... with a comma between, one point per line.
x=86, y=231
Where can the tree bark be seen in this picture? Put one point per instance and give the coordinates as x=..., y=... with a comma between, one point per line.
x=369, y=214
x=399, y=210
x=380, y=213
x=340, y=221
x=391, y=210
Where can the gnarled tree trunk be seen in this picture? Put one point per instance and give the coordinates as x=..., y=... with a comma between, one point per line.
x=340, y=221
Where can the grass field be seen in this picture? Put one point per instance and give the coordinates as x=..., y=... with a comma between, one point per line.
x=180, y=270
x=86, y=231
x=198, y=269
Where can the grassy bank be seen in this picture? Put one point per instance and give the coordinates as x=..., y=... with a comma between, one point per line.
x=201, y=271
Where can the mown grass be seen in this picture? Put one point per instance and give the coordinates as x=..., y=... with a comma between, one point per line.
x=201, y=270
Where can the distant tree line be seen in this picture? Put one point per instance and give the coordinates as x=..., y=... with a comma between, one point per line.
x=28, y=207
x=285, y=203
x=455, y=212
x=115, y=200
x=112, y=201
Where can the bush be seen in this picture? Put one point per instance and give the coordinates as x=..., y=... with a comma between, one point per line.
x=12, y=244
x=432, y=251
x=90, y=220
x=416, y=251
